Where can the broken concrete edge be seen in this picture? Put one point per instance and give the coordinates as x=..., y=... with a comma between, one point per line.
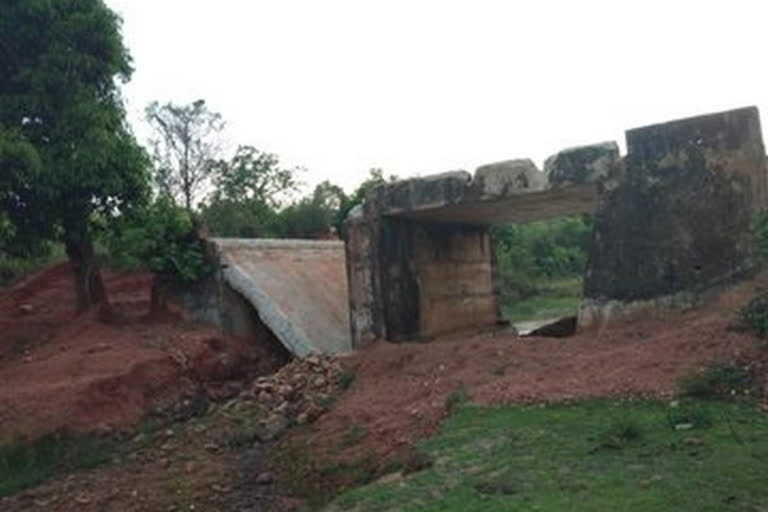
x=593, y=165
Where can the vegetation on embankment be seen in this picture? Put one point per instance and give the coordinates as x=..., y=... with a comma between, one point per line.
x=540, y=266
x=640, y=455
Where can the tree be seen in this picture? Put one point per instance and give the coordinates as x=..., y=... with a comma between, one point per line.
x=22, y=230
x=59, y=95
x=312, y=216
x=252, y=175
x=185, y=148
x=248, y=191
x=374, y=179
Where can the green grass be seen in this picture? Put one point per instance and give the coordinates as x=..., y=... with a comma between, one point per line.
x=594, y=456
x=24, y=465
x=13, y=270
x=556, y=298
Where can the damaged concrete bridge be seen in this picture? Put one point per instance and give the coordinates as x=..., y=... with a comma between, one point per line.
x=672, y=225
x=672, y=222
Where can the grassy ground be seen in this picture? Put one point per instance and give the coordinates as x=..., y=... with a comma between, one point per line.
x=556, y=299
x=24, y=465
x=595, y=456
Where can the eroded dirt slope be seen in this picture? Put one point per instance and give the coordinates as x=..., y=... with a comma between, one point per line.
x=61, y=372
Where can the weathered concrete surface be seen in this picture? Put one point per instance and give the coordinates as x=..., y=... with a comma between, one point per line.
x=509, y=191
x=584, y=164
x=455, y=279
x=297, y=287
x=678, y=223
x=419, y=255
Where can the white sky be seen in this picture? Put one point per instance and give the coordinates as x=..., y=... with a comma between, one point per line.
x=424, y=86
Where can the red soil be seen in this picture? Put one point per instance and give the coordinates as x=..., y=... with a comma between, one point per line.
x=400, y=391
x=58, y=371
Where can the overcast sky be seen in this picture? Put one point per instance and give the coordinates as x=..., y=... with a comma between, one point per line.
x=422, y=86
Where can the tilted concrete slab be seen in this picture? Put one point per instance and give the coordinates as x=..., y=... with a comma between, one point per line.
x=298, y=288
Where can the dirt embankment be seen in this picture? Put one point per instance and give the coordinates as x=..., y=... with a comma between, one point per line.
x=400, y=391
x=59, y=372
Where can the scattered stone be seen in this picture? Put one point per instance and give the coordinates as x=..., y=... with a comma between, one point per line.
x=299, y=392
x=26, y=309
x=274, y=427
x=264, y=478
x=82, y=499
x=684, y=426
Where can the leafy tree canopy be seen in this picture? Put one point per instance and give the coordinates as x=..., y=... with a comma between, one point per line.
x=59, y=101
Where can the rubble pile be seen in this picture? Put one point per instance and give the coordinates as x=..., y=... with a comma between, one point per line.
x=299, y=392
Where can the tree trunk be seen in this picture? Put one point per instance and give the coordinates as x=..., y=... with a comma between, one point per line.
x=158, y=307
x=89, y=286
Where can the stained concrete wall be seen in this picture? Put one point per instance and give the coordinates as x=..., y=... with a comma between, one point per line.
x=454, y=266
x=678, y=223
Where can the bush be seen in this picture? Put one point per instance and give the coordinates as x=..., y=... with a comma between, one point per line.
x=457, y=398
x=755, y=315
x=23, y=465
x=618, y=435
x=718, y=380
x=162, y=238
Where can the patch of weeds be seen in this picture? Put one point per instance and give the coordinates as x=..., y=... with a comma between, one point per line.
x=455, y=399
x=308, y=478
x=346, y=380
x=718, y=380
x=324, y=402
x=415, y=460
x=689, y=415
x=503, y=484
x=353, y=435
x=618, y=435
x=755, y=315
x=23, y=464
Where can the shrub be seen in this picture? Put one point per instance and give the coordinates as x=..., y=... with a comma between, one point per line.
x=718, y=380
x=618, y=434
x=163, y=238
x=455, y=399
x=23, y=465
x=755, y=315
x=346, y=380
